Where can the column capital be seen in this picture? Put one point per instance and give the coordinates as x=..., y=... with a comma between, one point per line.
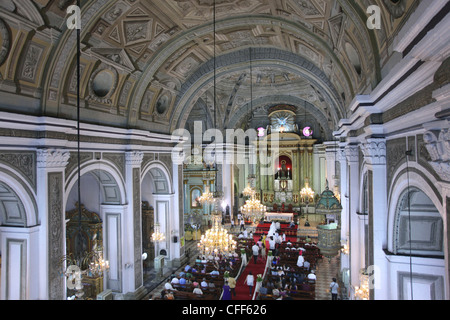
x=352, y=153
x=134, y=158
x=374, y=151
x=52, y=158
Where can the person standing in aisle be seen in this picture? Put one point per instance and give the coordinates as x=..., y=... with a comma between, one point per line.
x=232, y=285
x=255, y=250
x=250, y=280
x=334, y=286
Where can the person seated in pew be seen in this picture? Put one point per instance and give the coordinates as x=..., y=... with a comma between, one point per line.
x=215, y=272
x=182, y=281
x=204, y=284
x=312, y=276
x=168, y=286
x=263, y=289
x=280, y=271
x=197, y=290
x=275, y=292
x=306, y=265
x=175, y=280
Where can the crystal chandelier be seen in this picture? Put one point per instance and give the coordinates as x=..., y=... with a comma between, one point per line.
x=307, y=193
x=362, y=292
x=158, y=236
x=248, y=191
x=216, y=241
x=254, y=209
x=206, y=197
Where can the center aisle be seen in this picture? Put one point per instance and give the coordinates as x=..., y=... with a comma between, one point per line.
x=242, y=289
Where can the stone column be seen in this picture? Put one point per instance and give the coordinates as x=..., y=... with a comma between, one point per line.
x=352, y=155
x=50, y=195
x=374, y=151
x=132, y=230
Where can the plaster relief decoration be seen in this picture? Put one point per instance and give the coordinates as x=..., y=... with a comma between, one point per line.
x=438, y=146
x=103, y=84
x=162, y=105
x=375, y=151
x=396, y=8
x=147, y=102
x=186, y=64
x=55, y=235
x=31, y=61
x=307, y=8
x=5, y=42
x=137, y=31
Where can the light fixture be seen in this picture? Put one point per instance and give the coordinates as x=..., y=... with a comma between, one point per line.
x=362, y=292
x=261, y=132
x=207, y=197
x=248, y=191
x=307, y=193
x=78, y=264
x=157, y=235
x=216, y=241
x=307, y=131
x=254, y=209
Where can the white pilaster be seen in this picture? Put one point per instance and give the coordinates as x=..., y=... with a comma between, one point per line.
x=375, y=156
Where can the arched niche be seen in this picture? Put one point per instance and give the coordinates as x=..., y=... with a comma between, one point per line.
x=418, y=226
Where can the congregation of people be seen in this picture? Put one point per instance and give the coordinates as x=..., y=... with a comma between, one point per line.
x=291, y=275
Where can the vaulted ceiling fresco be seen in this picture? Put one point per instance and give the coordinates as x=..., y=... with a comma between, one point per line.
x=150, y=64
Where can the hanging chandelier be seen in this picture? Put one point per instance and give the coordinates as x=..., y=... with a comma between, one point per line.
x=206, y=197
x=248, y=191
x=216, y=241
x=362, y=292
x=158, y=236
x=254, y=209
x=307, y=193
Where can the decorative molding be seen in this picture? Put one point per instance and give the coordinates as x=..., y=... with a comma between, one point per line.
x=117, y=159
x=5, y=44
x=73, y=160
x=134, y=158
x=375, y=151
x=438, y=145
x=352, y=153
x=47, y=158
x=24, y=162
x=55, y=235
x=138, y=276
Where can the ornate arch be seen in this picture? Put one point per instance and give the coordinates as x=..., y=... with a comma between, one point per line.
x=20, y=198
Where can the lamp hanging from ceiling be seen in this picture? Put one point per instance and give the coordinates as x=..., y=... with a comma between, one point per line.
x=254, y=209
x=91, y=263
x=216, y=241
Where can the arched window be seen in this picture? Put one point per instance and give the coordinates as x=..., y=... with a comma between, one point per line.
x=418, y=225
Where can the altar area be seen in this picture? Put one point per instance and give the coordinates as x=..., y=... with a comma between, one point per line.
x=284, y=216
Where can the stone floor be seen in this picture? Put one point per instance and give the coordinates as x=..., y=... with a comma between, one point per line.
x=326, y=270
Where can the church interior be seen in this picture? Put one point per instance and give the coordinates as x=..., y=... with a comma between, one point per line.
x=147, y=147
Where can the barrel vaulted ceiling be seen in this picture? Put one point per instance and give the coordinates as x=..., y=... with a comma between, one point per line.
x=152, y=65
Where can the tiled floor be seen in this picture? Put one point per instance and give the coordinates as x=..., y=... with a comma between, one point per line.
x=326, y=270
